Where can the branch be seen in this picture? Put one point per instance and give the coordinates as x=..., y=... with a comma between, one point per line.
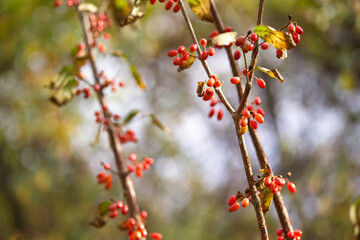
x=278, y=200
x=247, y=165
x=125, y=179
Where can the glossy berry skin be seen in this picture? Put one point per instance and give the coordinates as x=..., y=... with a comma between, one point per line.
x=260, y=111
x=253, y=37
x=237, y=55
x=291, y=186
x=240, y=41
x=243, y=130
x=152, y=2
x=267, y=182
x=143, y=214
x=217, y=83
x=213, y=102
x=235, y=80
x=243, y=122
x=220, y=114
x=259, y=118
x=257, y=101
x=168, y=5
x=172, y=53
x=211, y=51
x=279, y=53
x=194, y=47
x=232, y=200
x=261, y=83
x=211, y=112
x=181, y=49
x=204, y=55
x=132, y=157
x=203, y=42
x=291, y=28
x=113, y=214
x=299, y=30
x=245, y=202
x=290, y=234
x=176, y=8
x=246, y=113
x=298, y=233
x=265, y=46
x=234, y=207
x=125, y=210
x=253, y=124
x=156, y=236
x=279, y=232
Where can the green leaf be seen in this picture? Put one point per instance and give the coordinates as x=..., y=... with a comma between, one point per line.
x=278, y=39
x=63, y=86
x=274, y=73
x=202, y=9
x=138, y=78
x=159, y=124
x=128, y=11
x=88, y=7
x=224, y=39
x=101, y=217
x=130, y=116
x=266, y=199
x=355, y=217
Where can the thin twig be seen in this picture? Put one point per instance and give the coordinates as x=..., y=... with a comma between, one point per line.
x=125, y=179
x=245, y=156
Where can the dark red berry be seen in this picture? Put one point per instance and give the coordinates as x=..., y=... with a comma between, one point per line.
x=232, y=200
x=168, y=5
x=240, y=41
x=279, y=232
x=204, y=55
x=260, y=111
x=253, y=37
x=113, y=214
x=228, y=29
x=234, y=207
x=176, y=8
x=265, y=46
x=267, y=182
x=237, y=55
x=181, y=49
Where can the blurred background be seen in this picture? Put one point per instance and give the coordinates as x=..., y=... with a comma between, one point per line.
x=48, y=188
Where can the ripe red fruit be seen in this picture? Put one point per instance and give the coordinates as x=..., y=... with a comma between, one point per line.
x=132, y=157
x=131, y=167
x=57, y=3
x=291, y=186
x=245, y=202
x=168, y=5
x=273, y=187
x=228, y=29
x=278, y=182
x=246, y=113
x=119, y=204
x=204, y=55
x=125, y=210
x=181, y=49
x=203, y=42
x=282, y=237
x=243, y=122
x=102, y=48
x=176, y=61
x=214, y=34
x=107, y=166
x=279, y=232
x=156, y=236
x=232, y=200
x=260, y=111
x=101, y=177
x=265, y=46
x=113, y=214
x=237, y=55
x=291, y=28
x=194, y=47
x=299, y=30
x=143, y=214
x=211, y=112
x=279, y=53
x=240, y=41
x=290, y=234
x=298, y=233
x=210, y=82
x=152, y=2
x=220, y=114
x=267, y=182
x=235, y=80
x=211, y=51
x=149, y=160
x=213, y=102
x=176, y=8
x=250, y=47
x=207, y=97
x=186, y=56
x=257, y=100
x=253, y=124
x=217, y=83
x=259, y=118
x=162, y=1
x=253, y=37
x=112, y=207
x=209, y=91
x=234, y=207
x=261, y=83
x=139, y=172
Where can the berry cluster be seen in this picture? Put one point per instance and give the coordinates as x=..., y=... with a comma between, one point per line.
x=212, y=111
x=295, y=32
x=248, y=111
x=276, y=183
x=139, y=166
x=296, y=235
x=183, y=53
x=102, y=177
x=169, y=5
x=233, y=205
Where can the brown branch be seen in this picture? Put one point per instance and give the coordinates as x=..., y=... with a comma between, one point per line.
x=125, y=179
x=247, y=165
x=278, y=200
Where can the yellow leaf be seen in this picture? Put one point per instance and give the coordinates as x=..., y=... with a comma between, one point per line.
x=272, y=73
x=224, y=39
x=187, y=64
x=266, y=199
x=202, y=9
x=128, y=11
x=159, y=124
x=201, y=89
x=278, y=39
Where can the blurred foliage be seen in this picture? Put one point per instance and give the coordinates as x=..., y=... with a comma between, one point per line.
x=48, y=189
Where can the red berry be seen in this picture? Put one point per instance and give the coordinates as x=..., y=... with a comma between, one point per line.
x=119, y=204
x=273, y=187
x=245, y=202
x=246, y=113
x=299, y=30
x=240, y=41
x=132, y=157
x=57, y=3
x=261, y=83
x=279, y=232
x=203, y=42
x=260, y=111
x=107, y=166
x=176, y=8
x=232, y=200
x=235, y=80
x=291, y=28
x=143, y=214
x=113, y=214
x=211, y=112
x=243, y=122
x=220, y=114
x=211, y=51
x=172, y=53
x=237, y=55
x=181, y=49
x=217, y=83
x=298, y=233
x=149, y=160
x=131, y=167
x=162, y=1
x=234, y=207
x=250, y=47
x=186, y=56
x=278, y=182
x=102, y=48
x=253, y=124
x=204, y=55
x=257, y=100
x=194, y=47
x=290, y=234
x=209, y=91
x=156, y=236
x=265, y=46
x=101, y=177
x=112, y=207
x=214, y=34
x=207, y=97
x=176, y=61
x=267, y=182
x=168, y=5
x=279, y=53
x=253, y=37
x=139, y=173
x=132, y=221
x=124, y=210
x=296, y=37
x=228, y=29
x=291, y=186
x=210, y=82
x=152, y=2
x=213, y=102
x=282, y=237
x=259, y=118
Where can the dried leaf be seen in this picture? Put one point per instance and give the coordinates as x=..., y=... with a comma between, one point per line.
x=101, y=217
x=355, y=217
x=63, y=86
x=278, y=39
x=202, y=9
x=201, y=89
x=130, y=116
x=88, y=7
x=138, y=78
x=159, y=124
x=274, y=73
x=97, y=136
x=187, y=64
x=224, y=39
x=266, y=199
x=128, y=11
